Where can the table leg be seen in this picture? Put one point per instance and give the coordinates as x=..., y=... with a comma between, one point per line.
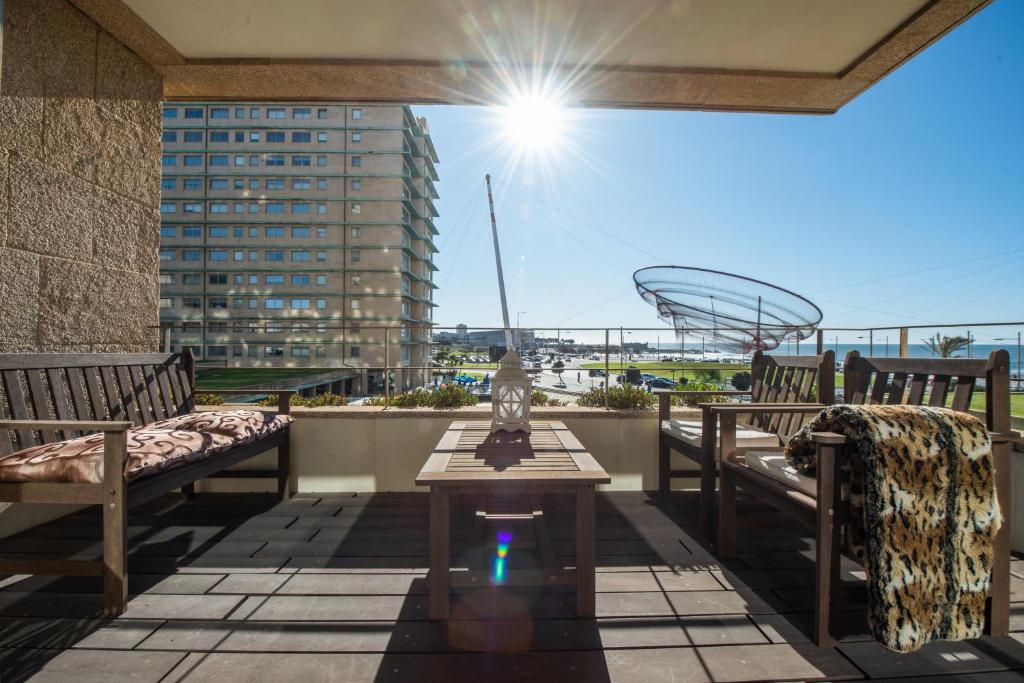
x=440, y=520
x=586, y=551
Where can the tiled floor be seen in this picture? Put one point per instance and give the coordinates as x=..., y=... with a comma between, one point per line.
x=332, y=588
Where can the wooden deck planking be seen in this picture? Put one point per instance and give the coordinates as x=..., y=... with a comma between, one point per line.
x=321, y=588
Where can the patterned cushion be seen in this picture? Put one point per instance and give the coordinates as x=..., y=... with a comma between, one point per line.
x=81, y=460
x=242, y=426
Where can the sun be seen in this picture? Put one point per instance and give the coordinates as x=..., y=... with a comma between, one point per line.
x=533, y=123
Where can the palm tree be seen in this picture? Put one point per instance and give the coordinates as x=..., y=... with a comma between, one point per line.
x=945, y=347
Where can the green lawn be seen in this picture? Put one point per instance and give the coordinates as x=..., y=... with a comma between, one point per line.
x=716, y=371
x=240, y=378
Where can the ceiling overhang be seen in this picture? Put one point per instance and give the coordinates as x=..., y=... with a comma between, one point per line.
x=793, y=56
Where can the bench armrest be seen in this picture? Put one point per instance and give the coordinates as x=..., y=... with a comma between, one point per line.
x=78, y=425
x=828, y=438
x=1004, y=437
x=284, y=396
x=754, y=408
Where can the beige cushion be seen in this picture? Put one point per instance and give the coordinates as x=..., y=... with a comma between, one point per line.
x=746, y=437
x=774, y=465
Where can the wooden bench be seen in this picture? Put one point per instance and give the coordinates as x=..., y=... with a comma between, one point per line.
x=818, y=503
x=48, y=398
x=775, y=380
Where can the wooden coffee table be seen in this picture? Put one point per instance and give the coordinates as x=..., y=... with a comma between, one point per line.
x=469, y=459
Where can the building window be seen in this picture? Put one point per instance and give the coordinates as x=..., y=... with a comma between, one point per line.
x=239, y=208
x=274, y=256
x=166, y=279
x=321, y=232
x=170, y=113
x=218, y=183
x=238, y=232
x=321, y=304
x=273, y=350
x=321, y=279
x=217, y=303
x=321, y=183
x=300, y=352
x=169, y=136
x=300, y=231
x=215, y=207
x=300, y=279
x=300, y=113
x=218, y=278
x=357, y=137
x=321, y=208
x=273, y=304
x=238, y=255
x=218, y=136
x=300, y=136
x=321, y=256
x=192, y=302
x=275, y=113
x=273, y=279
x=273, y=232
x=168, y=232
x=193, y=136
x=168, y=207
x=218, y=255
x=300, y=183
x=168, y=184
x=254, y=183
x=321, y=136
x=321, y=113
x=218, y=160
x=354, y=231
x=218, y=231
x=275, y=183
x=300, y=304
x=275, y=160
x=191, y=255
x=239, y=112
x=355, y=304
x=168, y=160
x=357, y=184
x=254, y=113
x=357, y=209
x=300, y=256
x=193, y=159
x=217, y=351
x=192, y=231
x=321, y=160
x=193, y=183
x=356, y=256
x=357, y=161
x=356, y=280
x=239, y=136
x=300, y=160
x=254, y=159
x=274, y=207
x=275, y=136
x=193, y=113
x=353, y=351
x=357, y=114
x=167, y=254
x=218, y=112
x=300, y=207
x=239, y=160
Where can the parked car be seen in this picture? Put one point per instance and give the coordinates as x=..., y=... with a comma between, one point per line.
x=648, y=377
x=662, y=383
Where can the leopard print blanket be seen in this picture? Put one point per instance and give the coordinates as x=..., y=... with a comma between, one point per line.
x=921, y=481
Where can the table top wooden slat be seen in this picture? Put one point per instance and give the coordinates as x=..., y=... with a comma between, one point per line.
x=550, y=454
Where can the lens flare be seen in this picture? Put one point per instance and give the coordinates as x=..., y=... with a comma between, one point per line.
x=504, y=541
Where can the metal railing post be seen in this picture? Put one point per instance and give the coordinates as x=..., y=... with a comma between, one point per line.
x=819, y=343
x=607, y=369
x=871, y=343
x=904, y=342
x=387, y=366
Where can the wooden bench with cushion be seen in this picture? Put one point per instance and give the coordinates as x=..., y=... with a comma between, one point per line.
x=775, y=380
x=820, y=502
x=118, y=429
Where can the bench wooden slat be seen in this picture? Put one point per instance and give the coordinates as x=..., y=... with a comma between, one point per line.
x=140, y=392
x=166, y=397
x=61, y=406
x=127, y=394
x=113, y=394
x=17, y=407
x=881, y=385
x=918, y=384
x=897, y=388
x=187, y=401
x=40, y=402
x=963, y=393
x=940, y=390
x=76, y=379
x=99, y=410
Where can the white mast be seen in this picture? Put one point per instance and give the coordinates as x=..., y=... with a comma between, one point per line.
x=497, y=259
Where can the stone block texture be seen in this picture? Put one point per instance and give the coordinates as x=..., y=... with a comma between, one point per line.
x=79, y=185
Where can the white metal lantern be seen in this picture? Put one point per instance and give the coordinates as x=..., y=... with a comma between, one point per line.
x=510, y=396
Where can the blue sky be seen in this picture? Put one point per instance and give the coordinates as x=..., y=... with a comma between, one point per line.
x=921, y=171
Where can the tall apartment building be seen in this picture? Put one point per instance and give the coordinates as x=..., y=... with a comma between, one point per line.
x=299, y=234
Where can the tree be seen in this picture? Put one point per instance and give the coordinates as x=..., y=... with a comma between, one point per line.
x=741, y=380
x=558, y=367
x=945, y=347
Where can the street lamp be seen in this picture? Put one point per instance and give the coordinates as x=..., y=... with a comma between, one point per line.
x=1019, y=378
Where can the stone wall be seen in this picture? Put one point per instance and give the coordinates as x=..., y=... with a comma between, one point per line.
x=79, y=193
x=79, y=185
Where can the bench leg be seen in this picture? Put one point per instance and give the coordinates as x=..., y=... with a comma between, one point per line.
x=115, y=562
x=726, y=514
x=440, y=521
x=664, y=466
x=997, y=619
x=284, y=468
x=586, y=552
x=828, y=543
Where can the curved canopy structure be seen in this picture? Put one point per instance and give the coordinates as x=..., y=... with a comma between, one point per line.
x=737, y=313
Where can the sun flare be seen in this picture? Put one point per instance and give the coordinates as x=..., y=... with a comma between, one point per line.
x=533, y=123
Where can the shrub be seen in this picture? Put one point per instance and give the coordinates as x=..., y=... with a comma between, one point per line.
x=623, y=397
x=446, y=396
x=741, y=380
x=692, y=401
x=539, y=398
x=319, y=401
x=207, y=399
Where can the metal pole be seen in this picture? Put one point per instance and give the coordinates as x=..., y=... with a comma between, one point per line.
x=607, y=369
x=819, y=342
x=167, y=337
x=757, y=338
x=387, y=363
x=871, y=342
x=497, y=261
x=1019, y=378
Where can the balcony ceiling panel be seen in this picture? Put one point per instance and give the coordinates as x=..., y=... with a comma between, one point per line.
x=753, y=55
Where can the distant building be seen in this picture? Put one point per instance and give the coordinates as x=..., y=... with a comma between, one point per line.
x=292, y=234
